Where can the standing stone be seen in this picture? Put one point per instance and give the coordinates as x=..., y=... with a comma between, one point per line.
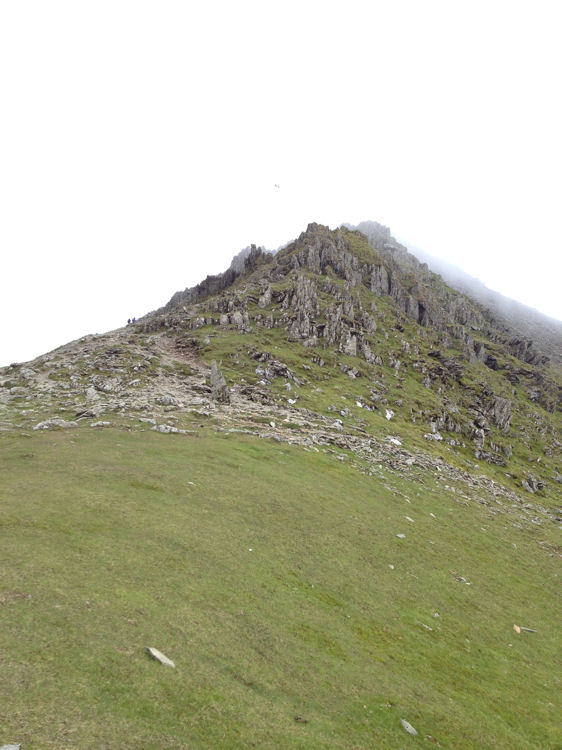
x=219, y=390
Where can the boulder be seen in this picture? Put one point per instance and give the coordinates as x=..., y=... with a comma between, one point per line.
x=159, y=656
x=54, y=423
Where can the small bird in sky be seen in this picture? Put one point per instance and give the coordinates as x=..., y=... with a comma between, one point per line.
x=276, y=186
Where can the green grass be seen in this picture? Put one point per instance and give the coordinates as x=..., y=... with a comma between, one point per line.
x=231, y=349
x=263, y=571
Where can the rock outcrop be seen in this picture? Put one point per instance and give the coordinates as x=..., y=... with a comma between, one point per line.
x=219, y=389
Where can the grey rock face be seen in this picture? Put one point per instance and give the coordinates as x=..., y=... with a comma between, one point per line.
x=366, y=352
x=491, y=458
x=265, y=298
x=380, y=281
x=532, y=485
x=304, y=301
x=349, y=345
x=526, y=352
x=500, y=413
x=333, y=328
x=219, y=390
x=368, y=322
x=478, y=437
x=237, y=319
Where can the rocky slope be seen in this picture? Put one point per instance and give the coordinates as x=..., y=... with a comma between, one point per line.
x=545, y=332
x=341, y=339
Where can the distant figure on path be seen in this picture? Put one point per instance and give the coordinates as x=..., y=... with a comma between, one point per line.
x=129, y=321
x=134, y=320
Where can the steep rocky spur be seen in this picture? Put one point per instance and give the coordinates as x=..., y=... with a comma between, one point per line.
x=341, y=339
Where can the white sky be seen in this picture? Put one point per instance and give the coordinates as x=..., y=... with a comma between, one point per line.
x=140, y=143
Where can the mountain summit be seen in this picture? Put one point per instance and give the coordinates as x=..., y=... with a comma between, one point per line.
x=343, y=324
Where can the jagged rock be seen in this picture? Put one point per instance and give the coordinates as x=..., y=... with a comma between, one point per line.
x=445, y=421
x=219, y=390
x=366, y=352
x=92, y=411
x=237, y=319
x=532, y=485
x=450, y=367
x=499, y=411
x=332, y=330
x=165, y=399
x=274, y=367
x=349, y=345
x=304, y=301
x=525, y=351
x=433, y=436
x=106, y=385
x=491, y=458
x=265, y=298
x=478, y=436
x=380, y=281
x=368, y=322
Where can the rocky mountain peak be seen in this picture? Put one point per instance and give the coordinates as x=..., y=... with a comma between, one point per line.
x=341, y=328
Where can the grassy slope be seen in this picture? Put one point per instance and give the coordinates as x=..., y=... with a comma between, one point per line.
x=229, y=348
x=119, y=551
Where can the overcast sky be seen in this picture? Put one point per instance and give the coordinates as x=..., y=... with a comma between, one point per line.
x=141, y=142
